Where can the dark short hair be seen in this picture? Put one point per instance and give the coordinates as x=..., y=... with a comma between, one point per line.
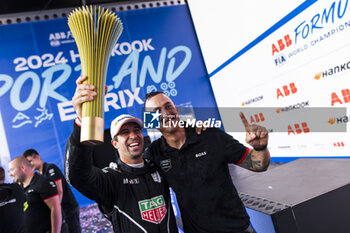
x=150, y=95
x=30, y=152
x=2, y=174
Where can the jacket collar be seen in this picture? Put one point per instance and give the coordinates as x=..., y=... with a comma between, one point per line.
x=44, y=167
x=132, y=170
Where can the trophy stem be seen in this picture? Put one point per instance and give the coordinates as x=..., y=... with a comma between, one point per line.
x=92, y=131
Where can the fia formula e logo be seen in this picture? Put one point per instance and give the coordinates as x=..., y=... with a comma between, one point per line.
x=151, y=120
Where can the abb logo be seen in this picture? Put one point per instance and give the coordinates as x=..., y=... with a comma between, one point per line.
x=61, y=35
x=338, y=144
x=281, y=44
x=292, y=89
x=256, y=118
x=297, y=129
x=346, y=97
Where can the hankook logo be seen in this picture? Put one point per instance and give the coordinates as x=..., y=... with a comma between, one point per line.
x=293, y=107
x=339, y=120
x=256, y=99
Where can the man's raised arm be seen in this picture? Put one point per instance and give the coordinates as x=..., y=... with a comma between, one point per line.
x=257, y=136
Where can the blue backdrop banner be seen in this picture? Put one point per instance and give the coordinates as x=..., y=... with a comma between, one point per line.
x=39, y=63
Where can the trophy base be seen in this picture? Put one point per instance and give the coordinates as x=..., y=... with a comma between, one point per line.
x=92, y=131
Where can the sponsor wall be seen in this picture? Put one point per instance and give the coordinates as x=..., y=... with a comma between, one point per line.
x=287, y=67
x=39, y=63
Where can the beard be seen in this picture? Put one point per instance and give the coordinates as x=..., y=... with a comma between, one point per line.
x=136, y=156
x=20, y=178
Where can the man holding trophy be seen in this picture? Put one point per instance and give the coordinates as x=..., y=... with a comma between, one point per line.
x=131, y=193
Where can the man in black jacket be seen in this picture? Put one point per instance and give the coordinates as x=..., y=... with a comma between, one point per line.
x=196, y=167
x=131, y=193
x=69, y=204
x=42, y=209
x=11, y=206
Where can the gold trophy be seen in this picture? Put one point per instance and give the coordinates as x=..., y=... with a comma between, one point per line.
x=95, y=31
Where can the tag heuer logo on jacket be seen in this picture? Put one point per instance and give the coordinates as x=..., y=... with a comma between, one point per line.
x=153, y=210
